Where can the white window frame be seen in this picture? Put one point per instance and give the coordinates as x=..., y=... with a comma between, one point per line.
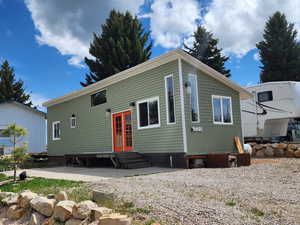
x=73, y=118
x=167, y=99
x=222, y=116
x=197, y=99
x=138, y=113
x=53, y=131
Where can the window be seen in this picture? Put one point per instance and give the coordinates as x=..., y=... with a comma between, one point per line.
x=222, y=111
x=193, y=85
x=169, y=88
x=148, y=113
x=56, y=130
x=73, y=121
x=265, y=96
x=98, y=98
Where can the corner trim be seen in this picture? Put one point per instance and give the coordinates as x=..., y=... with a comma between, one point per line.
x=182, y=105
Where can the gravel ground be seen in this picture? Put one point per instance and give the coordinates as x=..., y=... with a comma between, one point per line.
x=267, y=192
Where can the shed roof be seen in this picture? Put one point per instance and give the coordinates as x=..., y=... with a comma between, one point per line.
x=23, y=106
x=150, y=64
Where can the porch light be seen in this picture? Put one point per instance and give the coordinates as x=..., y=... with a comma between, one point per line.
x=107, y=112
x=132, y=105
x=187, y=85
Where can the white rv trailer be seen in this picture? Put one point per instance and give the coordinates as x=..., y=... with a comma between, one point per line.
x=273, y=112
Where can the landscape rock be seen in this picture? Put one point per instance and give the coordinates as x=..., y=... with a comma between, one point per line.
x=278, y=152
x=258, y=147
x=74, y=222
x=4, y=194
x=260, y=153
x=279, y=145
x=63, y=210
x=115, y=219
x=61, y=196
x=292, y=147
x=43, y=205
x=100, y=196
x=269, y=152
x=97, y=212
x=14, y=212
x=25, y=197
x=50, y=221
x=297, y=153
x=36, y=219
x=10, y=200
x=289, y=153
x=83, y=209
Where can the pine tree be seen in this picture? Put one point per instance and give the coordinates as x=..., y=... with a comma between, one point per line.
x=122, y=44
x=279, y=51
x=10, y=89
x=205, y=49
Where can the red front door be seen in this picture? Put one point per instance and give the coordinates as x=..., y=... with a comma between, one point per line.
x=122, y=131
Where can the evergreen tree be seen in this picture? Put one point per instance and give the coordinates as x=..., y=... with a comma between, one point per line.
x=10, y=89
x=279, y=51
x=122, y=44
x=205, y=49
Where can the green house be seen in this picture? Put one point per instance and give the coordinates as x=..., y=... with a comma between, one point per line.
x=166, y=108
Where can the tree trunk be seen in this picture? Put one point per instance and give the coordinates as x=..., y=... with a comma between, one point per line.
x=15, y=172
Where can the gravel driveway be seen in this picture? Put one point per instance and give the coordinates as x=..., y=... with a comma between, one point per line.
x=267, y=192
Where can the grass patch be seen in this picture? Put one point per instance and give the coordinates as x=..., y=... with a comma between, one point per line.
x=3, y=177
x=230, y=203
x=79, y=194
x=41, y=185
x=257, y=212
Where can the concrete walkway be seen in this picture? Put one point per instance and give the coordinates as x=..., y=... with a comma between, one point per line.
x=89, y=174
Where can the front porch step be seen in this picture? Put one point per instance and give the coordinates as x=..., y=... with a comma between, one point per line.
x=131, y=160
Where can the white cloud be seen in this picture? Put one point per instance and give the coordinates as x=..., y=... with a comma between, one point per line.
x=256, y=56
x=172, y=21
x=239, y=24
x=68, y=25
x=38, y=100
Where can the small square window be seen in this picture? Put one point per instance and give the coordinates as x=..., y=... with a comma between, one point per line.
x=98, y=98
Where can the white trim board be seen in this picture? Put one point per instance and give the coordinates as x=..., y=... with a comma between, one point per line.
x=150, y=64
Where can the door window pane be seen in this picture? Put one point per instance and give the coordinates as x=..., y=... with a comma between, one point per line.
x=143, y=108
x=119, y=132
x=128, y=130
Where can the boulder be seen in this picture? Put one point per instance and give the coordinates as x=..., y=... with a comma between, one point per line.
x=36, y=219
x=97, y=212
x=43, y=205
x=61, y=196
x=74, y=222
x=289, y=153
x=25, y=197
x=292, y=147
x=102, y=196
x=279, y=145
x=50, y=221
x=258, y=147
x=15, y=212
x=297, y=153
x=63, y=210
x=83, y=209
x=260, y=153
x=10, y=200
x=278, y=152
x=4, y=194
x=115, y=219
x=269, y=152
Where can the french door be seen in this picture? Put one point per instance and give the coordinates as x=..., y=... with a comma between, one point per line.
x=122, y=131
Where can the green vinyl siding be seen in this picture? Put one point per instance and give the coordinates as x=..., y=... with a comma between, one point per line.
x=93, y=132
x=214, y=138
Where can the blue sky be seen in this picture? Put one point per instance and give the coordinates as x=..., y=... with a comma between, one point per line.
x=45, y=41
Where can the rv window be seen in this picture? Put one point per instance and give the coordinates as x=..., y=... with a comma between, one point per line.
x=222, y=111
x=98, y=98
x=56, y=130
x=169, y=88
x=265, y=96
x=194, y=97
x=148, y=113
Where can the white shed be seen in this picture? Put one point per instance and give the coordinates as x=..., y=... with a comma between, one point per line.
x=24, y=116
